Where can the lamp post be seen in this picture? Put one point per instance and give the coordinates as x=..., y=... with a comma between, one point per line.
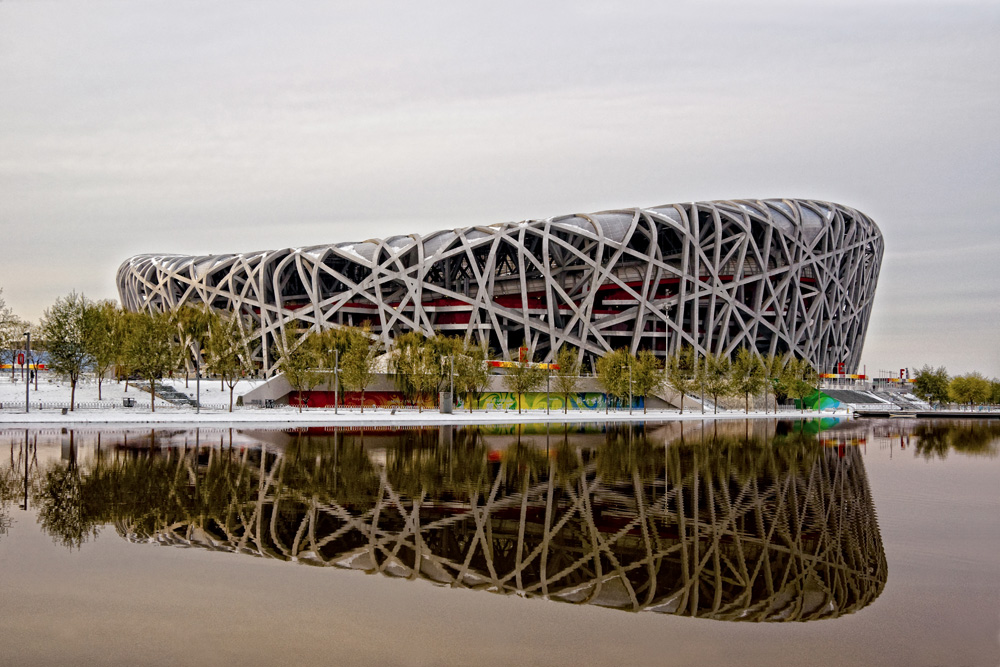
x=197, y=384
x=451, y=384
x=27, y=358
x=701, y=379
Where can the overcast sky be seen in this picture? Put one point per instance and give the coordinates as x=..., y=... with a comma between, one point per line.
x=195, y=127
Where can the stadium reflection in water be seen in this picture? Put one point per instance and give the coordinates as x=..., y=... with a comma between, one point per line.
x=736, y=522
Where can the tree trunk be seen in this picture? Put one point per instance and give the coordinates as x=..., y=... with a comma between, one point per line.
x=682, y=402
x=565, y=403
x=72, y=393
x=715, y=403
x=300, y=401
x=231, y=397
x=152, y=394
x=100, y=379
x=746, y=397
x=518, y=394
x=362, y=401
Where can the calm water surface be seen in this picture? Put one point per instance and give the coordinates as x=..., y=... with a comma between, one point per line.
x=760, y=543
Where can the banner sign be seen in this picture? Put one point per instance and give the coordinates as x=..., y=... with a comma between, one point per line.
x=515, y=364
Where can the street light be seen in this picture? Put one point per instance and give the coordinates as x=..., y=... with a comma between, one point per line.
x=27, y=357
x=451, y=385
x=197, y=384
x=548, y=375
x=336, y=381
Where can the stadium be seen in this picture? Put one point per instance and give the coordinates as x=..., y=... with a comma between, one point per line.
x=776, y=275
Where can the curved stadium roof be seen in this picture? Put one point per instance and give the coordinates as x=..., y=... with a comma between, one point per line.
x=776, y=275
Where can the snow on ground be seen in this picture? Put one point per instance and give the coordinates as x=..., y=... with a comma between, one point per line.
x=52, y=391
x=54, y=395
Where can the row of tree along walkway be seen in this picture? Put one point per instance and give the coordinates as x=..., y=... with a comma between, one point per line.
x=82, y=336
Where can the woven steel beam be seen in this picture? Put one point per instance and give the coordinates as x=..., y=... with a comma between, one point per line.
x=774, y=276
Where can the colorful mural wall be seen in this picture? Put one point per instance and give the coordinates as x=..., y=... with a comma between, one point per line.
x=818, y=401
x=502, y=400
x=493, y=400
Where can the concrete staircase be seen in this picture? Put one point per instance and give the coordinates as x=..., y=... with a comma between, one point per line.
x=170, y=395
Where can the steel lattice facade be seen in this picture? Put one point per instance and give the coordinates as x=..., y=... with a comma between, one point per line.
x=773, y=275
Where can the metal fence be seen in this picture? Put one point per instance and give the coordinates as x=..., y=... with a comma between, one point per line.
x=138, y=406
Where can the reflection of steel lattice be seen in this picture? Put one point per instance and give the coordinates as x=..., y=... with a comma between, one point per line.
x=775, y=275
x=788, y=542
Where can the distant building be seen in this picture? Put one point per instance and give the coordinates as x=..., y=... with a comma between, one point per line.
x=773, y=275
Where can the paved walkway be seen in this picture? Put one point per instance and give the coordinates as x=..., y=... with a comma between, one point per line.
x=380, y=417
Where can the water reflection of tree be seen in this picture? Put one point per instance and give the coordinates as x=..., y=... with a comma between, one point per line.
x=65, y=503
x=936, y=439
x=10, y=490
x=19, y=474
x=724, y=523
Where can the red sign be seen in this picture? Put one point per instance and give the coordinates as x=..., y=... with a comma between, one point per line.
x=20, y=359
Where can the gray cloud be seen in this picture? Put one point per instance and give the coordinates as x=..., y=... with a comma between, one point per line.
x=184, y=127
